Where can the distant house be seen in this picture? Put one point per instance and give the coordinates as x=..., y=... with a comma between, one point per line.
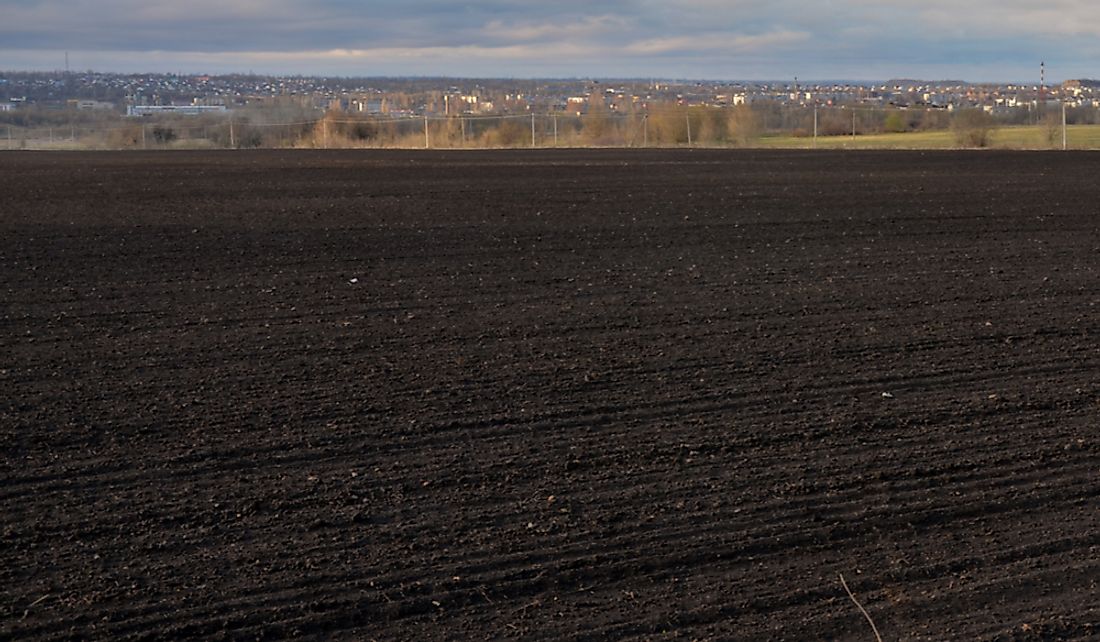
x=90, y=105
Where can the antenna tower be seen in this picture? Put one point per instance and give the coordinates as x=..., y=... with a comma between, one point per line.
x=1042, y=85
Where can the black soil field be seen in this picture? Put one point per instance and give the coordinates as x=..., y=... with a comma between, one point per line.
x=550, y=395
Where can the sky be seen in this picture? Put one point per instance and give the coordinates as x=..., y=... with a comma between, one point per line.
x=974, y=40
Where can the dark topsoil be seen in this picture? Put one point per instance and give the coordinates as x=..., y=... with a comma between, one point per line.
x=557, y=394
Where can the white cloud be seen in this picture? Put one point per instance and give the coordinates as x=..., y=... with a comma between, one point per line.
x=720, y=42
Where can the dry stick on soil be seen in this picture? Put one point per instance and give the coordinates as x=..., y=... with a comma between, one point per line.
x=33, y=604
x=861, y=609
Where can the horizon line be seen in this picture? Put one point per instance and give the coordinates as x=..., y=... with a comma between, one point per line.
x=651, y=79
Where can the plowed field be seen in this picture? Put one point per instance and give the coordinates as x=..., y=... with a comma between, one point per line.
x=551, y=394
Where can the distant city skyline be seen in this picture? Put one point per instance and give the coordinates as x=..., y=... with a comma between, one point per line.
x=856, y=40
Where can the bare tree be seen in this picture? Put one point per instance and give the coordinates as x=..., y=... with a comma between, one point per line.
x=1052, y=129
x=744, y=126
x=973, y=128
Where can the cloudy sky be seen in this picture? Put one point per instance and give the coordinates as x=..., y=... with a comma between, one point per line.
x=974, y=40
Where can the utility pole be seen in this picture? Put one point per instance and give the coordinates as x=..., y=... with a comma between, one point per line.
x=462, y=123
x=324, y=133
x=1065, y=141
x=687, y=119
x=532, y=130
x=232, y=137
x=815, y=125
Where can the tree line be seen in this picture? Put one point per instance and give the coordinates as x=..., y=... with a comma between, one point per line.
x=661, y=125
